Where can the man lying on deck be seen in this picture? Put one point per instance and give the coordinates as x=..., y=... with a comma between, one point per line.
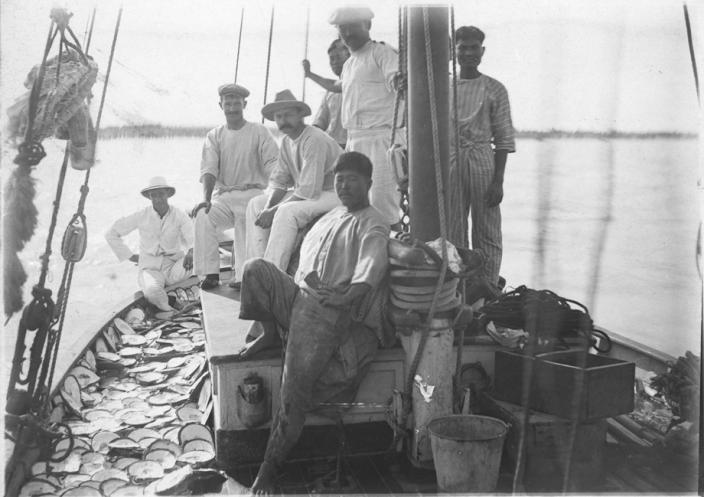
x=165, y=244
x=306, y=159
x=329, y=315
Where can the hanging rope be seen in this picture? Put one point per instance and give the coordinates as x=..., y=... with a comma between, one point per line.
x=74, y=250
x=268, y=57
x=403, y=71
x=439, y=188
x=305, y=51
x=239, y=44
x=690, y=43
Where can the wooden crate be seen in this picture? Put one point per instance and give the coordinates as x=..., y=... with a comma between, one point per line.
x=607, y=388
x=547, y=447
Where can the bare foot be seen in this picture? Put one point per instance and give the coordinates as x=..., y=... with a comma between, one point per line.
x=263, y=341
x=264, y=482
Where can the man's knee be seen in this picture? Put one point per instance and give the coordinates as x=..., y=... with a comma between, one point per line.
x=256, y=268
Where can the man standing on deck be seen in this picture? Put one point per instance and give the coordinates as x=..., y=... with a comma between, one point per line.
x=368, y=95
x=305, y=164
x=165, y=244
x=484, y=119
x=237, y=159
x=329, y=314
x=328, y=117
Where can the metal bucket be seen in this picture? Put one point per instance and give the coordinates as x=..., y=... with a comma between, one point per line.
x=467, y=452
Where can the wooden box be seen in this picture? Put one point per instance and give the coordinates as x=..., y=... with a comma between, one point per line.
x=607, y=388
x=547, y=448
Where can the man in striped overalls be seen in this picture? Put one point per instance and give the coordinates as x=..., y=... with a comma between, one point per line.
x=486, y=137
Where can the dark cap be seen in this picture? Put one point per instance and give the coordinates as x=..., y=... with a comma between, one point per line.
x=232, y=89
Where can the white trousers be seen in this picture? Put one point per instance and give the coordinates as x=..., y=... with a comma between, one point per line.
x=384, y=194
x=152, y=281
x=227, y=210
x=277, y=243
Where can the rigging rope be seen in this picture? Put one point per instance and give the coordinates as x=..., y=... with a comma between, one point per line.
x=268, y=58
x=305, y=51
x=239, y=44
x=690, y=43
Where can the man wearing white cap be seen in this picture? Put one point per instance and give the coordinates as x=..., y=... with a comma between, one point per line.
x=165, y=244
x=237, y=159
x=368, y=94
x=305, y=164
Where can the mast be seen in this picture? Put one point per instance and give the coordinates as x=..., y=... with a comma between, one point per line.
x=425, y=219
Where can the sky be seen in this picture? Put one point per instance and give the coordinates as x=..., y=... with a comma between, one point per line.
x=577, y=65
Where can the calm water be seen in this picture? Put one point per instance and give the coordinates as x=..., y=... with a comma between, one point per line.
x=611, y=223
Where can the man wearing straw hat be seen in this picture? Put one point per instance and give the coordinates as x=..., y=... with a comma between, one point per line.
x=238, y=157
x=367, y=84
x=165, y=244
x=306, y=160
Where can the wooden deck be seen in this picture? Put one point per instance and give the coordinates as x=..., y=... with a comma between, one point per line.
x=367, y=466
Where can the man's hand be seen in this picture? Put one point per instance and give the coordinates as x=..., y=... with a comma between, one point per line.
x=330, y=297
x=306, y=67
x=400, y=82
x=265, y=218
x=188, y=260
x=134, y=258
x=494, y=194
x=202, y=205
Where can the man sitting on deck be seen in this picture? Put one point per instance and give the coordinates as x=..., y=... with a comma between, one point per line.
x=305, y=163
x=165, y=234
x=237, y=159
x=329, y=314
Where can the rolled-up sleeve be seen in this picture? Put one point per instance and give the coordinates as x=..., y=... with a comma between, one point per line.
x=120, y=228
x=501, y=124
x=210, y=158
x=280, y=177
x=322, y=117
x=310, y=180
x=387, y=59
x=373, y=259
x=268, y=152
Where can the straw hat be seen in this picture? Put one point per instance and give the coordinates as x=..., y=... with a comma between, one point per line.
x=284, y=100
x=158, y=183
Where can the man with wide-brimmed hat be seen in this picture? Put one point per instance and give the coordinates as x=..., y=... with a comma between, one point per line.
x=367, y=84
x=238, y=157
x=305, y=164
x=165, y=244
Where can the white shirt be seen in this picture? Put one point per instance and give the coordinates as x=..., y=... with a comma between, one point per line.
x=159, y=237
x=328, y=117
x=306, y=164
x=239, y=159
x=367, y=92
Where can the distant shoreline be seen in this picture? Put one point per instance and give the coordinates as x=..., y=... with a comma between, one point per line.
x=158, y=131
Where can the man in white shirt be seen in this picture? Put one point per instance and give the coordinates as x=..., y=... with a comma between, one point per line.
x=165, y=244
x=328, y=117
x=367, y=84
x=306, y=160
x=237, y=159
x=328, y=314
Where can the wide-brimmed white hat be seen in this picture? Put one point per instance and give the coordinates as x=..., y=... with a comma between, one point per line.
x=158, y=183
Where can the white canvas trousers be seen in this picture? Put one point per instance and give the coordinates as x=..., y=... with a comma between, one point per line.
x=277, y=243
x=227, y=210
x=384, y=194
x=153, y=281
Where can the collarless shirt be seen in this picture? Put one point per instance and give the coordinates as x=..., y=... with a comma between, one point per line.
x=367, y=91
x=306, y=164
x=239, y=159
x=328, y=117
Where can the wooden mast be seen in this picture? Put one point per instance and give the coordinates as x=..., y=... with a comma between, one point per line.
x=425, y=220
